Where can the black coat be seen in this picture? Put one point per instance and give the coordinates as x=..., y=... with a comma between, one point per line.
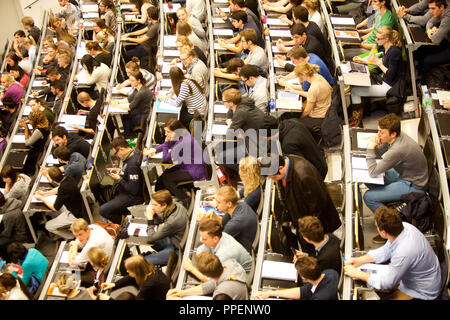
x=295, y=138
x=306, y=194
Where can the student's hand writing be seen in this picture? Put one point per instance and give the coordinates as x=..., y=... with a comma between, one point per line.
x=107, y=286
x=262, y=295
x=298, y=254
x=285, y=19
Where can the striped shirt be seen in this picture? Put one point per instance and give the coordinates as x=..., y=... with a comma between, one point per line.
x=194, y=101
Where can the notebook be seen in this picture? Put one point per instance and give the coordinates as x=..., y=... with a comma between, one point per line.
x=279, y=270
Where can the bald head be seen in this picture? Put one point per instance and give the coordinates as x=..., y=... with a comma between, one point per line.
x=85, y=99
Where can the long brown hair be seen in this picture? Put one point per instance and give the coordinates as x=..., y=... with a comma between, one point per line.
x=38, y=120
x=63, y=35
x=140, y=267
x=177, y=77
x=164, y=197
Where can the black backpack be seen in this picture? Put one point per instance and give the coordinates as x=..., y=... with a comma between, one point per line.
x=417, y=209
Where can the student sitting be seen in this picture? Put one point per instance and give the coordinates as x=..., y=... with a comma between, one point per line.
x=189, y=166
x=16, y=184
x=97, y=72
x=14, y=287
x=257, y=86
x=227, y=277
x=189, y=94
x=139, y=104
x=297, y=55
x=141, y=8
x=151, y=282
x=183, y=42
x=94, y=107
x=195, y=69
x=257, y=56
x=170, y=218
x=391, y=65
x=417, y=14
x=73, y=163
x=108, y=13
x=33, y=31
x=132, y=67
x=185, y=29
x=318, y=96
x=250, y=174
x=20, y=76
x=37, y=105
x=100, y=54
x=324, y=282
x=314, y=13
x=196, y=25
x=383, y=17
x=11, y=88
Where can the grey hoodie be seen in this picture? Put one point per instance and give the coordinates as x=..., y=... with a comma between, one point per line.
x=10, y=205
x=19, y=190
x=232, y=282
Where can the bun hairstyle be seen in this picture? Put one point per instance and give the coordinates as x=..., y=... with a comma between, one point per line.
x=392, y=35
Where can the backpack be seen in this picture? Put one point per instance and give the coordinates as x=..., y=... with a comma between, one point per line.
x=111, y=228
x=417, y=210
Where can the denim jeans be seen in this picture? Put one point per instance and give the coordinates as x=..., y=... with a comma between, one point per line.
x=164, y=247
x=392, y=190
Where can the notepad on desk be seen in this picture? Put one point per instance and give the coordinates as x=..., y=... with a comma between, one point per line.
x=276, y=50
x=355, y=74
x=279, y=270
x=347, y=34
x=137, y=229
x=289, y=104
x=68, y=121
x=217, y=20
x=442, y=95
x=166, y=83
x=281, y=94
x=18, y=138
x=64, y=257
x=125, y=6
x=342, y=21
x=125, y=91
x=89, y=8
x=88, y=24
x=166, y=65
x=218, y=47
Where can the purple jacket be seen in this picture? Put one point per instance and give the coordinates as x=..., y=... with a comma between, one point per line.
x=187, y=153
x=15, y=91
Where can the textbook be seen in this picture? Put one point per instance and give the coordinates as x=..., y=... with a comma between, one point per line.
x=355, y=74
x=351, y=36
x=342, y=21
x=361, y=172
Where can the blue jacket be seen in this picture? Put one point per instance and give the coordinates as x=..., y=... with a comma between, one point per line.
x=34, y=263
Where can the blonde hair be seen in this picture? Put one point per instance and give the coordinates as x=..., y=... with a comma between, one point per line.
x=311, y=4
x=392, y=35
x=98, y=257
x=8, y=78
x=228, y=193
x=29, y=41
x=78, y=225
x=305, y=69
x=140, y=267
x=61, y=283
x=250, y=173
x=185, y=42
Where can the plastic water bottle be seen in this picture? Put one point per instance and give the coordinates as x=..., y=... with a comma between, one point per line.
x=272, y=104
x=427, y=101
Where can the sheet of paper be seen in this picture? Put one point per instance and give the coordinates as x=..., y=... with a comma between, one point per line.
x=281, y=94
x=52, y=160
x=289, y=104
x=51, y=199
x=165, y=68
x=82, y=77
x=344, y=21
x=81, y=51
x=170, y=41
x=222, y=32
x=279, y=270
x=275, y=22
x=38, y=83
x=293, y=81
x=218, y=47
x=64, y=257
x=116, y=110
x=362, y=175
x=359, y=163
x=277, y=65
x=219, y=129
x=125, y=90
x=374, y=268
x=142, y=229
x=18, y=138
x=158, y=155
x=90, y=15
x=166, y=83
x=130, y=16
x=70, y=120
x=171, y=53
x=88, y=23
x=225, y=9
x=167, y=106
x=89, y=8
x=363, y=139
x=442, y=95
x=280, y=33
x=275, y=49
x=220, y=108
x=43, y=179
x=220, y=1
x=127, y=6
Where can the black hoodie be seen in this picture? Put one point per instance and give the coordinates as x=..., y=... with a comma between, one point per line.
x=295, y=138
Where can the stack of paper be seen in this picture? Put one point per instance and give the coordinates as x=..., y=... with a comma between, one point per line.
x=217, y=20
x=50, y=199
x=361, y=173
x=89, y=8
x=289, y=104
x=90, y=15
x=167, y=83
x=167, y=106
x=220, y=108
x=279, y=270
x=127, y=6
x=280, y=33
x=170, y=41
x=165, y=68
x=39, y=83
x=18, y=138
x=275, y=49
x=219, y=129
x=343, y=21
x=171, y=53
x=275, y=22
